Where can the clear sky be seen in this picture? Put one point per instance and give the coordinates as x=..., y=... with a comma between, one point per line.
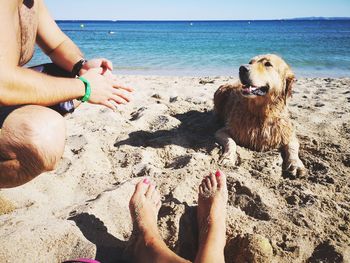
x=195, y=9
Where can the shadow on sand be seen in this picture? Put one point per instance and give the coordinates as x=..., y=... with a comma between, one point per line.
x=196, y=131
x=109, y=248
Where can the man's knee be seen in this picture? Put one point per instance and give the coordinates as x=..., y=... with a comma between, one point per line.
x=36, y=136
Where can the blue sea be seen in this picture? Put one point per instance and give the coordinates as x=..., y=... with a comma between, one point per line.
x=208, y=48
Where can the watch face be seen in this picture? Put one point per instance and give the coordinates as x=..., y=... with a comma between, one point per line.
x=77, y=67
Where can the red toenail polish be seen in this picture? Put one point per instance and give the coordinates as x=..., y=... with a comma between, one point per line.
x=146, y=181
x=218, y=174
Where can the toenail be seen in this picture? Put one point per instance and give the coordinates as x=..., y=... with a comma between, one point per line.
x=146, y=181
x=218, y=173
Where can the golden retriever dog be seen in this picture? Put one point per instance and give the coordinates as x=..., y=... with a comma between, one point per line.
x=255, y=112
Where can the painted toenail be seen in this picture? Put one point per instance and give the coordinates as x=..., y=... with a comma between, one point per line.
x=146, y=181
x=218, y=173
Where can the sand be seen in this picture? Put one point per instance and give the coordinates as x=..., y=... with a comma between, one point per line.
x=167, y=134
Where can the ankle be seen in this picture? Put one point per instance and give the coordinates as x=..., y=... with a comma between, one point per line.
x=213, y=237
x=217, y=243
x=152, y=239
x=210, y=254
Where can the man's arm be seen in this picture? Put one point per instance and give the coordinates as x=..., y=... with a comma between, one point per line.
x=20, y=86
x=57, y=45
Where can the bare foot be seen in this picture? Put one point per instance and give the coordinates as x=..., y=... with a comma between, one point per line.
x=211, y=213
x=144, y=207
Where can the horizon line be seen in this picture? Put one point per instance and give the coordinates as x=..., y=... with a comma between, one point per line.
x=205, y=20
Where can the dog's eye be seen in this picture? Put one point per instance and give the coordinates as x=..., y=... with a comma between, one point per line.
x=250, y=62
x=268, y=64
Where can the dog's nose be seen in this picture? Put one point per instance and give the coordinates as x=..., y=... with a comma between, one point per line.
x=244, y=69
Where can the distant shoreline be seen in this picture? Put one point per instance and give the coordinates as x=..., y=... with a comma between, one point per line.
x=214, y=20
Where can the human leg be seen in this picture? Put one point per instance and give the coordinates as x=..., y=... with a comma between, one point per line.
x=212, y=201
x=32, y=141
x=144, y=207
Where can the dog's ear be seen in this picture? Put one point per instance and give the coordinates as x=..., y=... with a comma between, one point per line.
x=290, y=79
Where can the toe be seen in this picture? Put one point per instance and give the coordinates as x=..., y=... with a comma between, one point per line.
x=159, y=205
x=201, y=190
x=156, y=196
x=140, y=190
x=206, y=185
x=208, y=182
x=221, y=179
x=203, y=184
x=141, y=187
x=150, y=190
x=213, y=181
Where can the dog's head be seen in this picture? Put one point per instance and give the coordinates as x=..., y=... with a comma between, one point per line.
x=266, y=78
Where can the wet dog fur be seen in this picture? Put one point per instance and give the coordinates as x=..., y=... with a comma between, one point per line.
x=255, y=112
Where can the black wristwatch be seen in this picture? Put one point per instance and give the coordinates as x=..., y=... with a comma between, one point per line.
x=77, y=67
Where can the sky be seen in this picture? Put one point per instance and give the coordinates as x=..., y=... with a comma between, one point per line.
x=195, y=9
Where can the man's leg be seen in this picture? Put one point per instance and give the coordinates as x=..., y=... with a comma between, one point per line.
x=31, y=142
x=144, y=208
x=212, y=201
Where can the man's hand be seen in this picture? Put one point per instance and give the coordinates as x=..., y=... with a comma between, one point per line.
x=102, y=63
x=105, y=90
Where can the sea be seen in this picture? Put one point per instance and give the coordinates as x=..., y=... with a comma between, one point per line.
x=314, y=48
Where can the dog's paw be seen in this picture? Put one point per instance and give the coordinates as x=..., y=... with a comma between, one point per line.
x=228, y=159
x=294, y=169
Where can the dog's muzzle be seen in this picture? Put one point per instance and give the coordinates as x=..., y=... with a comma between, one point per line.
x=248, y=88
x=244, y=73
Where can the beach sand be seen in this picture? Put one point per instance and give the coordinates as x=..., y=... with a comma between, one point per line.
x=167, y=134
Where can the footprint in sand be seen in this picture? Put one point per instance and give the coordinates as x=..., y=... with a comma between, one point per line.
x=319, y=104
x=63, y=166
x=149, y=113
x=137, y=114
x=77, y=143
x=301, y=199
x=325, y=252
x=319, y=173
x=346, y=160
x=179, y=162
x=159, y=123
x=248, y=201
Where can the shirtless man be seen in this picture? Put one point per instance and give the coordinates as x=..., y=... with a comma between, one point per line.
x=32, y=135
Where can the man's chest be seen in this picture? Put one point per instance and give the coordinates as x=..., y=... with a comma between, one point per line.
x=28, y=18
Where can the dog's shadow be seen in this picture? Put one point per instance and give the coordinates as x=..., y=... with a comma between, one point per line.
x=196, y=131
